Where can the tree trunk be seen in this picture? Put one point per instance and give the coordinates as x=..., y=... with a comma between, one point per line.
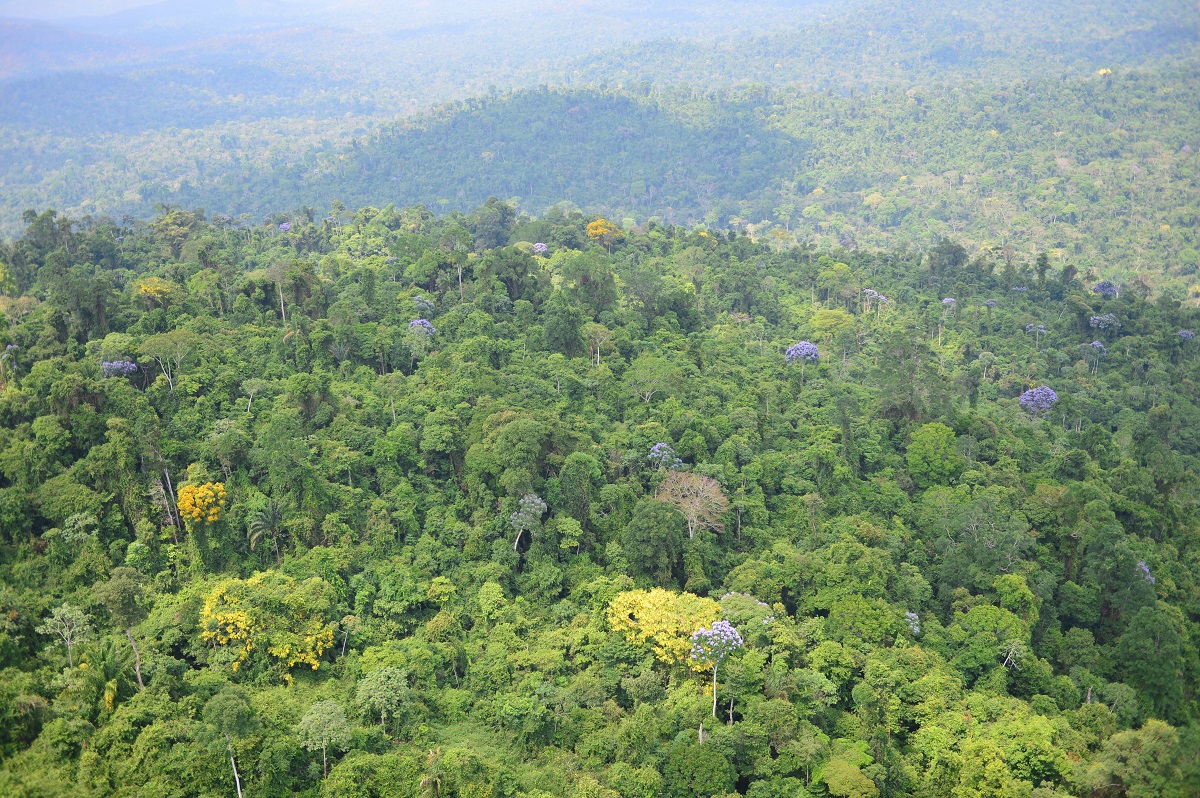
x=137, y=658
x=282, y=312
x=174, y=502
x=714, y=691
x=237, y=780
x=324, y=764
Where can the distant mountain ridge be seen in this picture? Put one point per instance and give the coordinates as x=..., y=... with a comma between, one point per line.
x=28, y=47
x=587, y=148
x=1054, y=126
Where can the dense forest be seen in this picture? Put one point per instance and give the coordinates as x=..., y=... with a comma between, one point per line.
x=1065, y=127
x=1098, y=170
x=387, y=503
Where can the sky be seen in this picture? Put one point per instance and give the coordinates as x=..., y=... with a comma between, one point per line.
x=59, y=9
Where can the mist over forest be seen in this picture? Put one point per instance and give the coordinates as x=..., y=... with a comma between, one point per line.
x=763, y=399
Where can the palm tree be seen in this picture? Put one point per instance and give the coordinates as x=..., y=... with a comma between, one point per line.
x=431, y=784
x=108, y=664
x=266, y=520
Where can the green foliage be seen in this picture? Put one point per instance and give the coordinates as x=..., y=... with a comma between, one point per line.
x=937, y=594
x=323, y=727
x=653, y=540
x=931, y=456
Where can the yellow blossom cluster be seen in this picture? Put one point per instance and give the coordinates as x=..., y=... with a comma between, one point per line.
x=273, y=613
x=604, y=232
x=155, y=290
x=202, y=504
x=224, y=622
x=665, y=620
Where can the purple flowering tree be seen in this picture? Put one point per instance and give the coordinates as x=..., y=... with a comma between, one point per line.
x=711, y=647
x=528, y=517
x=871, y=295
x=285, y=227
x=1105, y=322
x=1105, y=288
x=1038, y=331
x=663, y=457
x=424, y=305
x=1186, y=335
x=420, y=333
x=118, y=368
x=540, y=249
x=1144, y=572
x=422, y=327
x=914, y=622
x=1038, y=400
x=805, y=352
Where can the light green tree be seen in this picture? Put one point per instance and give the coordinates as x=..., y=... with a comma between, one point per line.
x=71, y=625
x=324, y=726
x=931, y=456
x=383, y=692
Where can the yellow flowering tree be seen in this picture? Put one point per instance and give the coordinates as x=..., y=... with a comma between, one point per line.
x=202, y=504
x=663, y=619
x=155, y=290
x=604, y=232
x=288, y=620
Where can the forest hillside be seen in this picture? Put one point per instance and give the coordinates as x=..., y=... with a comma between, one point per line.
x=378, y=502
x=1065, y=127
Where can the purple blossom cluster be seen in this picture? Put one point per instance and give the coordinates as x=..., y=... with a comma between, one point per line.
x=285, y=227
x=540, y=249
x=714, y=644
x=422, y=326
x=872, y=294
x=913, y=621
x=663, y=456
x=949, y=302
x=1186, y=335
x=529, y=513
x=423, y=304
x=1099, y=347
x=11, y=347
x=1037, y=400
x=1039, y=328
x=1104, y=322
x=1145, y=570
x=1019, y=288
x=114, y=368
x=802, y=351
x=1105, y=288
x=991, y=303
